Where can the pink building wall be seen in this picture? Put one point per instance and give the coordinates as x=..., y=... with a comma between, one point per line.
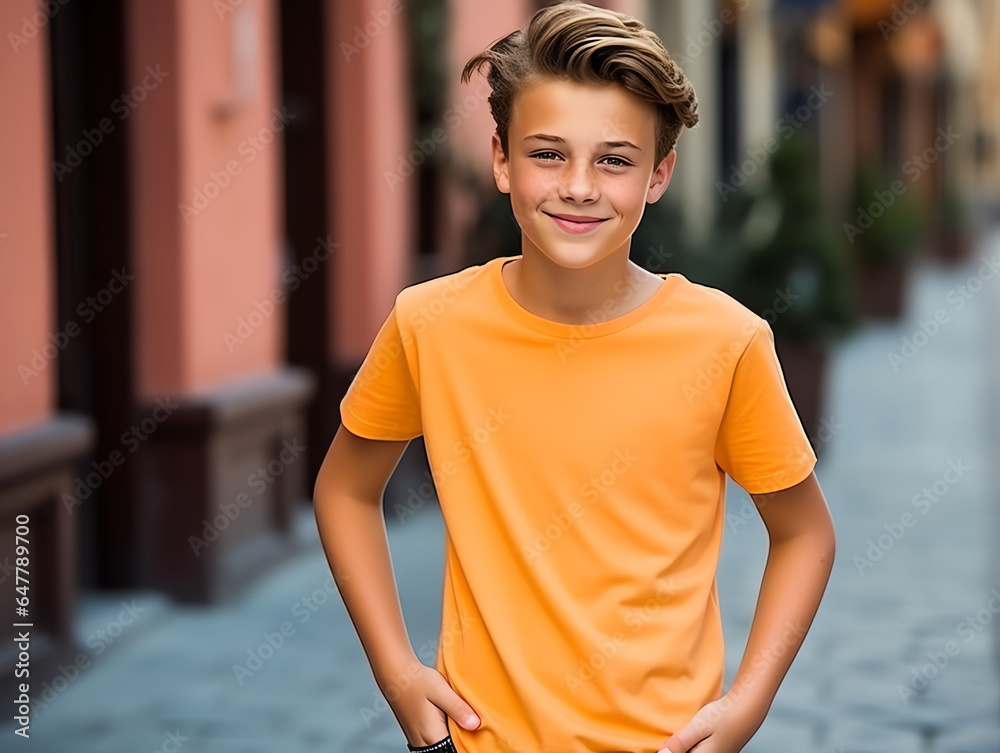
x=369, y=132
x=207, y=188
x=475, y=26
x=468, y=123
x=27, y=300
x=206, y=162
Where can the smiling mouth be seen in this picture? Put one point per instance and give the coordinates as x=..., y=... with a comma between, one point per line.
x=575, y=224
x=577, y=219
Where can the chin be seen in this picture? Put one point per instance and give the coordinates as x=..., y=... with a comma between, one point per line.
x=579, y=258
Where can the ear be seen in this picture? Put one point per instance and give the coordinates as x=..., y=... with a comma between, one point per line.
x=661, y=177
x=501, y=166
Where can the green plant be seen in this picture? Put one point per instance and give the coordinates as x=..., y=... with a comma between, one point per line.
x=427, y=26
x=660, y=245
x=794, y=267
x=955, y=216
x=770, y=248
x=495, y=231
x=888, y=224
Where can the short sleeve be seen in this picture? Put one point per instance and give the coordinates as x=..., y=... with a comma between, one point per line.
x=761, y=443
x=382, y=401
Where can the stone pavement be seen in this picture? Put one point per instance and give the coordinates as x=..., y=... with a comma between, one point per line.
x=903, y=656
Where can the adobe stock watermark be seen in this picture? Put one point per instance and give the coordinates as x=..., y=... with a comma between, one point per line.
x=462, y=451
x=636, y=618
x=958, y=296
x=259, y=480
x=453, y=118
x=789, y=641
x=724, y=360
x=6, y=569
x=131, y=439
x=901, y=13
x=711, y=30
x=591, y=491
x=609, y=309
x=419, y=321
x=968, y=630
x=94, y=137
x=98, y=642
x=924, y=501
x=364, y=35
x=172, y=741
x=87, y=310
x=249, y=148
x=657, y=256
x=32, y=25
x=292, y=278
x=913, y=168
x=786, y=127
x=223, y=8
x=398, y=684
x=416, y=498
x=303, y=609
x=749, y=508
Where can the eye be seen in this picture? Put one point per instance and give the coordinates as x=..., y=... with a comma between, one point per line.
x=620, y=162
x=544, y=155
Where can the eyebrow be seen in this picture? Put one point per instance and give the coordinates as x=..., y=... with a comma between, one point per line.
x=604, y=144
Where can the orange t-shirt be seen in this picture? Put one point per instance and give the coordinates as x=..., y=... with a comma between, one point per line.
x=581, y=473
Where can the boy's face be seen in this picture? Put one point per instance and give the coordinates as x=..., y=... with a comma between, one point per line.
x=577, y=194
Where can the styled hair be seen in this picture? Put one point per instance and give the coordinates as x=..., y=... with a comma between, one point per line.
x=580, y=42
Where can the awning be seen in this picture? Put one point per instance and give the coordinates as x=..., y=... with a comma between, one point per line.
x=870, y=12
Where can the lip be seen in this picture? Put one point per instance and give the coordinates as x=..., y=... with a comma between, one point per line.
x=577, y=224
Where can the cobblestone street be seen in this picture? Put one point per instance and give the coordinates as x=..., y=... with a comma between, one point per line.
x=903, y=657
x=893, y=662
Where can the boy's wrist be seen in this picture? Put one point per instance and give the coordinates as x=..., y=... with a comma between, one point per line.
x=397, y=670
x=745, y=711
x=751, y=693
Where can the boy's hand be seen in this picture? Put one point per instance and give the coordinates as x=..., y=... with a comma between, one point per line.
x=421, y=700
x=722, y=726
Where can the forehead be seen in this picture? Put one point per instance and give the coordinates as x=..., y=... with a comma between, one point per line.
x=582, y=111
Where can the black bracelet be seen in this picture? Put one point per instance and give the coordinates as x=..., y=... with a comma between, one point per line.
x=446, y=746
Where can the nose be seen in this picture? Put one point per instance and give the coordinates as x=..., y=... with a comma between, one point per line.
x=579, y=184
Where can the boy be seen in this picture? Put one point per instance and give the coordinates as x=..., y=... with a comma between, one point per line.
x=580, y=416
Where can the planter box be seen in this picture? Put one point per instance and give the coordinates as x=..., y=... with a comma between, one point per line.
x=219, y=482
x=37, y=467
x=804, y=364
x=881, y=288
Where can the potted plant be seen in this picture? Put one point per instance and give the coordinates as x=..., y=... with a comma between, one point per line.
x=661, y=245
x=794, y=270
x=772, y=250
x=955, y=237
x=884, y=235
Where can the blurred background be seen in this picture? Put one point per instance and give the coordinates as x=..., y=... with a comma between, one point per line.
x=206, y=210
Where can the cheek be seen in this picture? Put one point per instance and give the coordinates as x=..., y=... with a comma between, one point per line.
x=627, y=196
x=532, y=183
x=532, y=188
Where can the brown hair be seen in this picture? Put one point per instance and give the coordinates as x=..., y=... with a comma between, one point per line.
x=583, y=43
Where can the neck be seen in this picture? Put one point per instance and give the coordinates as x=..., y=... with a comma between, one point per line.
x=601, y=291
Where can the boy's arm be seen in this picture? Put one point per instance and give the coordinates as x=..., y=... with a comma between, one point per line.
x=348, y=507
x=798, y=567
